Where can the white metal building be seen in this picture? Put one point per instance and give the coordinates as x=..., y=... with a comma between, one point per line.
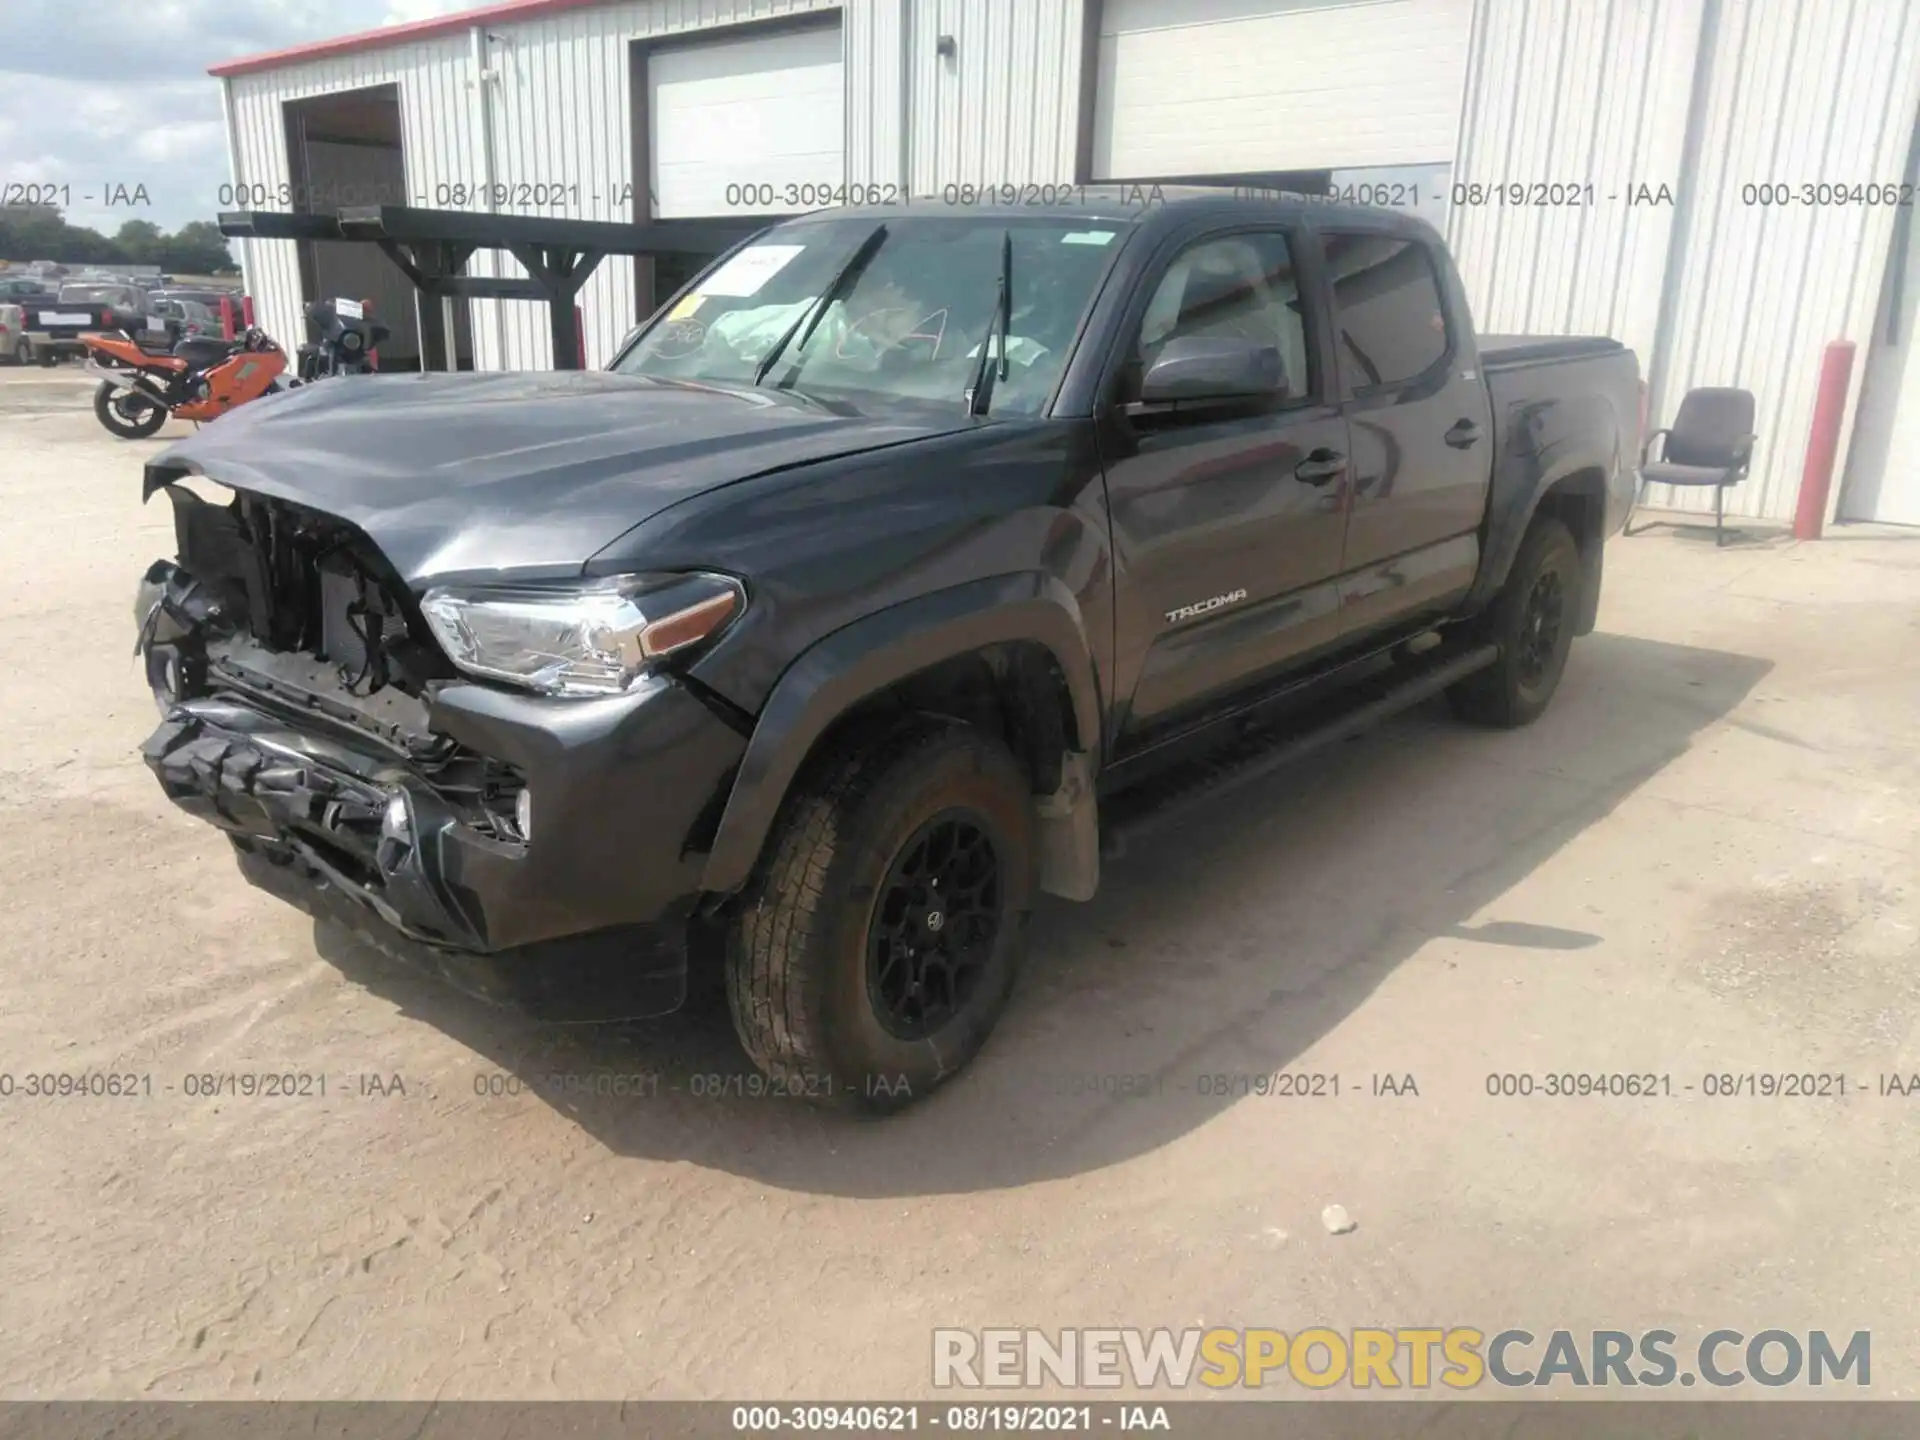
x=1726, y=185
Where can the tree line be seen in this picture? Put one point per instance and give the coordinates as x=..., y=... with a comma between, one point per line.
x=37, y=232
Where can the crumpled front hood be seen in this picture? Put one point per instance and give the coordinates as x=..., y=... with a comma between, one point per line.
x=534, y=473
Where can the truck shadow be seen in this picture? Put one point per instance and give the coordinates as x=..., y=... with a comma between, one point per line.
x=1219, y=950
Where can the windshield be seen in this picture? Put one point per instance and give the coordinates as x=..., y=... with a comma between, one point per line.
x=909, y=323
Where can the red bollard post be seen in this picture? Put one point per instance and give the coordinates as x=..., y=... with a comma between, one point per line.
x=580, y=337
x=246, y=310
x=1823, y=440
x=226, y=317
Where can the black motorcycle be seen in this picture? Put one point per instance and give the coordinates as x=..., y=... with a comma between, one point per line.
x=343, y=344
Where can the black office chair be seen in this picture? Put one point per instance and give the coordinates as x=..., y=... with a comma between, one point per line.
x=1709, y=443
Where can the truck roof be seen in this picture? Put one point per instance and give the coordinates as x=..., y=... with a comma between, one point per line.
x=1141, y=204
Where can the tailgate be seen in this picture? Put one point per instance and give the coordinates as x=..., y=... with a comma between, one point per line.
x=69, y=321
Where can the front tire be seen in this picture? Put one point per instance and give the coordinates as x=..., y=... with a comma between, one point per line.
x=879, y=940
x=1532, y=622
x=129, y=419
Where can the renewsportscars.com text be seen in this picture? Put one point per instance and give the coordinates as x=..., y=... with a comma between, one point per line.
x=1419, y=1358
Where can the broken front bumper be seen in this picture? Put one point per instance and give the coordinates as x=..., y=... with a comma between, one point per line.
x=586, y=920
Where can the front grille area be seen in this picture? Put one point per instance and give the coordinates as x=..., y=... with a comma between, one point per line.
x=296, y=614
x=357, y=622
x=303, y=582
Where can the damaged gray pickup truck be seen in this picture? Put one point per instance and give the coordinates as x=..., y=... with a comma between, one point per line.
x=901, y=560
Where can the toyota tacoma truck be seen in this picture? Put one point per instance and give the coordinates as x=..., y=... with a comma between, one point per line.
x=902, y=565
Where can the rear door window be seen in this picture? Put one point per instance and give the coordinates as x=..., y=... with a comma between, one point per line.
x=1390, y=319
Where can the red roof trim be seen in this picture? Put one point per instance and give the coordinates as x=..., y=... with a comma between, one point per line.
x=397, y=34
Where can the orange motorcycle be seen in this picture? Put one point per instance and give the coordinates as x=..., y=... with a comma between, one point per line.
x=198, y=378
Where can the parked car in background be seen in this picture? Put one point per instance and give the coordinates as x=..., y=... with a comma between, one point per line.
x=17, y=288
x=15, y=348
x=209, y=298
x=55, y=325
x=194, y=317
x=121, y=294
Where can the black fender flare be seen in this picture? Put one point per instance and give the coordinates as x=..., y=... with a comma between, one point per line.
x=1530, y=469
x=861, y=659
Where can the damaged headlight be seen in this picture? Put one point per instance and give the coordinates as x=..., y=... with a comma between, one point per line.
x=596, y=638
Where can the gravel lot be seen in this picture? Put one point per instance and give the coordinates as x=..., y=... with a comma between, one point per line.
x=1701, y=861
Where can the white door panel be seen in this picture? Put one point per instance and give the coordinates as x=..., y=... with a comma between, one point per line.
x=1219, y=87
x=766, y=112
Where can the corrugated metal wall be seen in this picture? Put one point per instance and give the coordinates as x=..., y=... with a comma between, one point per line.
x=875, y=32
x=561, y=115
x=1571, y=93
x=1655, y=113
x=1716, y=289
x=1802, y=91
x=1004, y=108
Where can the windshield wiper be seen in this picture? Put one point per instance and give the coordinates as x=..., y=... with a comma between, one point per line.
x=980, y=388
x=816, y=312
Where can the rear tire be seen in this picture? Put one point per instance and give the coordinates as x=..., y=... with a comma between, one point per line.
x=23, y=352
x=49, y=359
x=879, y=940
x=1531, y=620
x=112, y=411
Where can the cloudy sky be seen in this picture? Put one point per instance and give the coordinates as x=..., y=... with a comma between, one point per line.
x=95, y=93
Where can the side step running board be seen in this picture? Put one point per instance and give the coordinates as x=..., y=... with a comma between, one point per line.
x=1193, y=786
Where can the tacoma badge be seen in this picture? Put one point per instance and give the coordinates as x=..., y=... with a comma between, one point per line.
x=1187, y=612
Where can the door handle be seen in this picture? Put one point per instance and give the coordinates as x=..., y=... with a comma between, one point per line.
x=1463, y=434
x=1320, y=466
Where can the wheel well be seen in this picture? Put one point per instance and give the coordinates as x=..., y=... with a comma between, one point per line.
x=1579, y=501
x=1016, y=691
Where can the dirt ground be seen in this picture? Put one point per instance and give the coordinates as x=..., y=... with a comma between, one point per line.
x=1701, y=861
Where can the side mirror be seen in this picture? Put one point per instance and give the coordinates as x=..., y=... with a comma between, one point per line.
x=1194, y=369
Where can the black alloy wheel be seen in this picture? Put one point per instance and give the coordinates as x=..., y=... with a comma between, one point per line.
x=1532, y=623
x=878, y=940
x=1540, y=627
x=934, y=924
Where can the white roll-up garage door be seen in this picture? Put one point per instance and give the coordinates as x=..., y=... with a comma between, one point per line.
x=1883, y=464
x=734, y=123
x=1236, y=87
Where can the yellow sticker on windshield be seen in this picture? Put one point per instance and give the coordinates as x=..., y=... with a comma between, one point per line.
x=685, y=309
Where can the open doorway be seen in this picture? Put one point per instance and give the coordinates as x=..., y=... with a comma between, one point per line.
x=346, y=149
